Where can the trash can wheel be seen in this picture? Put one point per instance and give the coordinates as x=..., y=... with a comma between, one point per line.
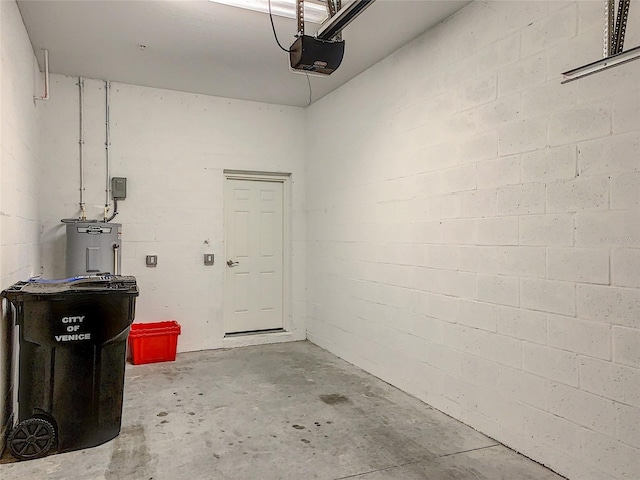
x=32, y=438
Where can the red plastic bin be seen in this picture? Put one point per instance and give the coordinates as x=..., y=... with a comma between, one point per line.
x=154, y=342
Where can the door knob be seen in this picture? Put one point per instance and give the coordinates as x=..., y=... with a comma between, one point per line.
x=231, y=263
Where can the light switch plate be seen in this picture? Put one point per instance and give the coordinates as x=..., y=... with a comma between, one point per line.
x=208, y=259
x=152, y=260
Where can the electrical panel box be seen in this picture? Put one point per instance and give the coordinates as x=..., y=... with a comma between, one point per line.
x=119, y=188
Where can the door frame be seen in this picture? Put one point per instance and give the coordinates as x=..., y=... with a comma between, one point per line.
x=285, y=179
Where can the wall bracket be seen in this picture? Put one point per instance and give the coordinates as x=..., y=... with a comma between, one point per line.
x=603, y=64
x=614, y=32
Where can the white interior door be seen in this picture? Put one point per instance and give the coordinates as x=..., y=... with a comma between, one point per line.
x=254, y=246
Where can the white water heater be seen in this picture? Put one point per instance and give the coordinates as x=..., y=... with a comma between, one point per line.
x=93, y=247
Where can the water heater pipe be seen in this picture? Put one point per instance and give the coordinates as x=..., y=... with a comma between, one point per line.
x=46, y=77
x=107, y=143
x=116, y=248
x=83, y=213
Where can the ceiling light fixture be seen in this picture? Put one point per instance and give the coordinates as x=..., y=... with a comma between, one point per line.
x=315, y=11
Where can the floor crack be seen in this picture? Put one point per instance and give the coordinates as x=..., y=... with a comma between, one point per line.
x=415, y=462
x=384, y=468
x=470, y=450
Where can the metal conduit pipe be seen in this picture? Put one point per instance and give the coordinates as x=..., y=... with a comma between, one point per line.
x=83, y=213
x=46, y=77
x=107, y=143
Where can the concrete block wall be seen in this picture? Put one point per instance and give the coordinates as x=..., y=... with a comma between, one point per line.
x=19, y=176
x=172, y=147
x=474, y=230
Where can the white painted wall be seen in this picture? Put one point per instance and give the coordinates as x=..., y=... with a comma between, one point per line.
x=19, y=175
x=474, y=231
x=173, y=148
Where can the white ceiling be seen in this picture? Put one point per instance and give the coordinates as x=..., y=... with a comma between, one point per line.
x=203, y=47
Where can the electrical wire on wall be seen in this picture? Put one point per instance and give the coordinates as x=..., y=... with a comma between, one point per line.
x=310, y=92
x=115, y=211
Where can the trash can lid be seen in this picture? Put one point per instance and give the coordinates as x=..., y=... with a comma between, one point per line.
x=93, y=283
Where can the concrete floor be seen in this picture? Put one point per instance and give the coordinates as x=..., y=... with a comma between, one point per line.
x=276, y=412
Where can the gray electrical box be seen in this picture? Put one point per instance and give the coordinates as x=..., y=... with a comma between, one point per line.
x=93, y=247
x=119, y=188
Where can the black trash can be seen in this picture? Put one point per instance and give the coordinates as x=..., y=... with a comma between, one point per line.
x=72, y=347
